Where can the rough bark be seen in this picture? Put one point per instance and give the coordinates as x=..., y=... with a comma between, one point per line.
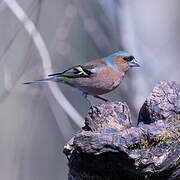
x=108, y=147
x=162, y=103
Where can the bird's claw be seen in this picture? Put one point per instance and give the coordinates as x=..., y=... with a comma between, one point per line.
x=95, y=109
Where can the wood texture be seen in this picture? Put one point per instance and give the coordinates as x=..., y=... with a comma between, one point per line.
x=108, y=147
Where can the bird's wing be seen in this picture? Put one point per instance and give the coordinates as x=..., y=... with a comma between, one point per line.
x=80, y=71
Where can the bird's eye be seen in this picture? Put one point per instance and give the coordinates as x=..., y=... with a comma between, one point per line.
x=125, y=58
x=131, y=58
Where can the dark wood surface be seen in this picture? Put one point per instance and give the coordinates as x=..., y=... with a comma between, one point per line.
x=109, y=147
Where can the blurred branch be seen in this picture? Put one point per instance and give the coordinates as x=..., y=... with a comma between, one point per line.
x=8, y=85
x=7, y=79
x=60, y=43
x=93, y=27
x=3, y=6
x=14, y=35
x=111, y=21
x=46, y=60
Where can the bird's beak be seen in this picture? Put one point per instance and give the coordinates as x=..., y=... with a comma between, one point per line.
x=133, y=63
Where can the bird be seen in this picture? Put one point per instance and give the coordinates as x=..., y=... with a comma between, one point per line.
x=96, y=77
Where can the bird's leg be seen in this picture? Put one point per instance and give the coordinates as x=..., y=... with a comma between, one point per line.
x=86, y=97
x=95, y=107
x=99, y=97
x=84, y=94
x=92, y=107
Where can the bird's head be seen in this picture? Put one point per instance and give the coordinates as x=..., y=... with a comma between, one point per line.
x=124, y=60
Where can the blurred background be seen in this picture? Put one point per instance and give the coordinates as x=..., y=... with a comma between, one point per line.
x=34, y=123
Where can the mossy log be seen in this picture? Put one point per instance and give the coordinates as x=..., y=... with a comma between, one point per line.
x=109, y=147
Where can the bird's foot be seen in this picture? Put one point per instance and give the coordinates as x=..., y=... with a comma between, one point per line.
x=94, y=109
x=99, y=97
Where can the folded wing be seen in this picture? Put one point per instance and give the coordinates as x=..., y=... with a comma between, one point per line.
x=77, y=72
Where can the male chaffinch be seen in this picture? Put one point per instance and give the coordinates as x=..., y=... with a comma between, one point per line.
x=96, y=77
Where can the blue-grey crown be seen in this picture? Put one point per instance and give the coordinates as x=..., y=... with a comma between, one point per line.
x=121, y=53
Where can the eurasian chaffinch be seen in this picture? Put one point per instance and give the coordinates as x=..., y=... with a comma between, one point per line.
x=96, y=77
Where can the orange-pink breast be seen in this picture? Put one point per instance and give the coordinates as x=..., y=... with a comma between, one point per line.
x=103, y=82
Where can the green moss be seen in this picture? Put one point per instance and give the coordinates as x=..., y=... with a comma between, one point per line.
x=177, y=117
x=144, y=144
x=134, y=146
x=165, y=138
x=139, y=146
x=171, y=135
x=178, y=162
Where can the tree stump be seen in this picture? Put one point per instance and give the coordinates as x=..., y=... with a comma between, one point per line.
x=109, y=147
